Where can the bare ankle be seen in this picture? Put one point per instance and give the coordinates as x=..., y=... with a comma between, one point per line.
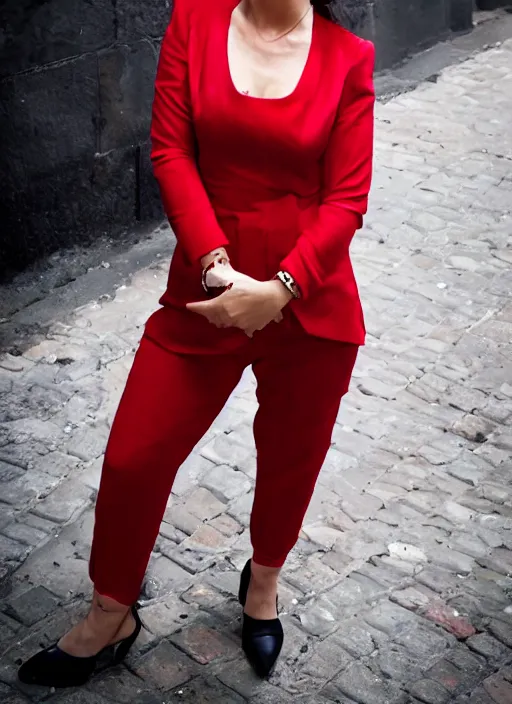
x=109, y=605
x=264, y=577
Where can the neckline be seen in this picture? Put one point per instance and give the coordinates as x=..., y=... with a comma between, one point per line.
x=303, y=75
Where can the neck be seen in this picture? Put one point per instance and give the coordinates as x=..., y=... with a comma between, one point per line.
x=277, y=13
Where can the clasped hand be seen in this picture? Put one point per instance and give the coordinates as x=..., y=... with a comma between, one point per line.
x=249, y=305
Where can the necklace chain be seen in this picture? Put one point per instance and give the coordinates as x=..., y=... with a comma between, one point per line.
x=284, y=34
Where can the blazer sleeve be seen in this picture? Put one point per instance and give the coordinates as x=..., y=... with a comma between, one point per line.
x=347, y=173
x=173, y=152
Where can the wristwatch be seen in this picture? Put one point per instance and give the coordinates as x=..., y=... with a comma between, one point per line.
x=288, y=282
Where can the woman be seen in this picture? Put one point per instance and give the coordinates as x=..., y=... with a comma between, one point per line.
x=262, y=144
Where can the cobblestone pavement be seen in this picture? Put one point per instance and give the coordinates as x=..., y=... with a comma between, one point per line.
x=400, y=589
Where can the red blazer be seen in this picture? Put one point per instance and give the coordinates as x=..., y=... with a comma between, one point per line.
x=283, y=183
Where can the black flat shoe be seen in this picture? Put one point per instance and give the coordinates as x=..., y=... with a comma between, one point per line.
x=55, y=668
x=262, y=640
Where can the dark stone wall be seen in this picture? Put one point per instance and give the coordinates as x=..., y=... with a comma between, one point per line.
x=493, y=4
x=401, y=27
x=76, y=85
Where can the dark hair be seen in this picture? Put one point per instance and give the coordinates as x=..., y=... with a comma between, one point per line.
x=322, y=7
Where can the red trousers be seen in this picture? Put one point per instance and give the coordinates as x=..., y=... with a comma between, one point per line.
x=169, y=403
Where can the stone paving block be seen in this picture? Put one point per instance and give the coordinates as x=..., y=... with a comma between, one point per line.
x=204, y=505
x=473, y=428
x=430, y=692
x=391, y=619
x=58, y=566
x=407, y=553
x=490, y=586
x=327, y=660
x=479, y=696
x=164, y=667
x=468, y=544
x=439, y=580
x=322, y=535
x=81, y=697
x=319, y=619
x=204, y=596
x=239, y=677
x=349, y=596
x=450, y=618
x=226, y=483
x=362, y=507
x=467, y=662
x=502, y=631
x=449, y=676
x=12, y=550
x=57, y=464
x=494, y=492
x=398, y=664
x=385, y=575
x=452, y=560
x=426, y=642
x=484, y=506
x=179, y=517
x=9, y=628
x=492, y=454
x=204, y=643
x=241, y=509
x=312, y=577
x=439, y=452
x=489, y=647
x=89, y=442
x=67, y=499
x=24, y=534
x=226, y=525
x=362, y=685
x=500, y=560
x=206, y=690
x=190, y=474
x=207, y=538
x=165, y=617
x=356, y=638
x=118, y=685
x=223, y=450
x=90, y=476
x=499, y=688
x=170, y=534
x=456, y=512
x=412, y=598
x=25, y=488
x=189, y=557
x=32, y=606
x=164, y=575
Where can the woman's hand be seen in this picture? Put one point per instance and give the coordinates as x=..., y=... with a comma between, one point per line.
x=249, y=304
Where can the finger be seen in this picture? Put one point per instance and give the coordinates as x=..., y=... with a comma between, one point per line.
x=203, y=307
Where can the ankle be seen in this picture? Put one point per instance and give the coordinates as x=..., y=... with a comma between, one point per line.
x=264, y=578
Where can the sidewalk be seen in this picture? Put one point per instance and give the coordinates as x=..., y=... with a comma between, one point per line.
x=400, y=589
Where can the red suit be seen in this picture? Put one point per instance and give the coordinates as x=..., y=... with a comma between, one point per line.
x=283, y=185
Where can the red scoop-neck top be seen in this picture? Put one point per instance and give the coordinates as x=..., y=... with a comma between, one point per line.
x=282, y=183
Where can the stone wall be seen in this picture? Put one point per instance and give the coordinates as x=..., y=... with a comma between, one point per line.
x=76, y=84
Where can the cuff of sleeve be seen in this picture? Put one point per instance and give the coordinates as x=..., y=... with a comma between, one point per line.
x=305, y=279
x=203, y=243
